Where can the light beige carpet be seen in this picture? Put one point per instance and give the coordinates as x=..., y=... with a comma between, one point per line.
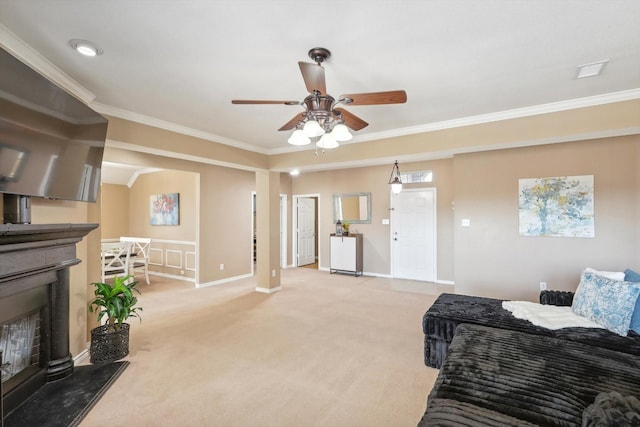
x=326, y=350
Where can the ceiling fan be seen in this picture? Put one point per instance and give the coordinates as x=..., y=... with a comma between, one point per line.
x=322, y=116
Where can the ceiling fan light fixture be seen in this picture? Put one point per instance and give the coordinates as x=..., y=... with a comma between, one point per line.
x=341, y=133
x=312, y=129
x=298, y=138
x=327, y=141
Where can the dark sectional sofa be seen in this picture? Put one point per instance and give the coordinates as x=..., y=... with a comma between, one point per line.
x=496, y=370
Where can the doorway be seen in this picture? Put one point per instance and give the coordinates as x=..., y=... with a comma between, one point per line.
x=413, y=234
x=305, y=226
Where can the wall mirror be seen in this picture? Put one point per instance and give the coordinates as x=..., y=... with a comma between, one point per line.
x=352, y=207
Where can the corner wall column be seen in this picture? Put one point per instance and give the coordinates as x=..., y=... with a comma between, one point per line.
x=268, y=231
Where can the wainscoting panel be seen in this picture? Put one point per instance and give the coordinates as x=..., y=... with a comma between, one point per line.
x=173, y=258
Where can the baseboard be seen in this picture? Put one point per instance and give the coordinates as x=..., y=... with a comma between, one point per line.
x=223, y=281
x=172, y=276
x=82, y=355
x=388, y=276
x=385, y=276
x=364, y=273
x=268, y=290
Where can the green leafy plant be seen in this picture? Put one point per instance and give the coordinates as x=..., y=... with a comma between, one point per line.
x=116, y=301
x=345, y=226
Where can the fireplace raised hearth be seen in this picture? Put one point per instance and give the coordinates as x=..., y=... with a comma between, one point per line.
x=34, y=306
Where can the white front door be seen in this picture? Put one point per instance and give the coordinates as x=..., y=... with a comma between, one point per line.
x=413, y=234
x=306, y=231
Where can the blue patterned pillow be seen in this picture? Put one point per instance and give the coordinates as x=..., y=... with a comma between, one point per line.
x=632, y=276
x=609, y=303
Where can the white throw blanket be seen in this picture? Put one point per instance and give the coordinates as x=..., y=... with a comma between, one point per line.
x=548, y=316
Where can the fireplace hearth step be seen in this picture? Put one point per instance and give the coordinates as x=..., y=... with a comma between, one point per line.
x=65, y=402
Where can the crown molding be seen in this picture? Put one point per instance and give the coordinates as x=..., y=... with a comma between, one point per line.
x=173, y=127
x=112, y=143
x=553, y=107
x=534, y=110
x=25, y=53
x=446, y=154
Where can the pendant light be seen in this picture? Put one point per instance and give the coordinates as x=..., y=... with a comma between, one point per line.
x=396, y=183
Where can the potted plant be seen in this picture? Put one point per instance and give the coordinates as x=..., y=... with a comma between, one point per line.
x=110, y=342
x=345, y=227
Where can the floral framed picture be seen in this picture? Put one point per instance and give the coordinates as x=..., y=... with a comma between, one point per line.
x=164, y=209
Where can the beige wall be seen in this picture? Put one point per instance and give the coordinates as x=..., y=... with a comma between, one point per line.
x=286, y=183
x=221, y=195
x=115, y=211
x=376, y=236
x=226, y=213
x=58, y=211
x=148, y=184
x=491, y=258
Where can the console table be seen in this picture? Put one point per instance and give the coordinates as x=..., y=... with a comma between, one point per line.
x=346, y=254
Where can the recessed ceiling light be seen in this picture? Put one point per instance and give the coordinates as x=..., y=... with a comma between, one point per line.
x=294, y=172
x=590, y=70
x=85, y=47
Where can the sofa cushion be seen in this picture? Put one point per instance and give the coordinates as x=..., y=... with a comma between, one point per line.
x=497, y=377
x=610, y=303
x=440, y=321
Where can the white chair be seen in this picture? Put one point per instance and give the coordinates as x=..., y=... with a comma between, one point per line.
x=115, y=259
x=140, y=262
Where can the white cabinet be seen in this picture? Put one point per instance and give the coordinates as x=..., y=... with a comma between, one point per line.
x=346, y=254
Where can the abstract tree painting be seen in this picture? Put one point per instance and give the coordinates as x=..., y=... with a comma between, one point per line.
x=557, y=206
x=164, y=209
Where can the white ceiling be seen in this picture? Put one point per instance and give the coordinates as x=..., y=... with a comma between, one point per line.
x=178, y=64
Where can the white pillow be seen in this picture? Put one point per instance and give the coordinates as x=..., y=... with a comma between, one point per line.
x=613, y=275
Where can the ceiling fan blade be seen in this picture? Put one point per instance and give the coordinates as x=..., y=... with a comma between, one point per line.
x=293, y=122
x=375, y=98
x=255, y=101
x=313, y=76
x=352, y=121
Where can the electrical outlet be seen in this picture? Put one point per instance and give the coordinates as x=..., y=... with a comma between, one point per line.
x=221, y=266
x=543, y=286
x=273, y=273
x=182, y=272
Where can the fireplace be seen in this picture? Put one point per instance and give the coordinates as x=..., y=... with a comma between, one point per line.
x=20, y=345
x=34, y=306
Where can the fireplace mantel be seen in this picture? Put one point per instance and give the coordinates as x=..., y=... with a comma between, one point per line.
x=35, y=248
x=24, y=233
x=34, y=269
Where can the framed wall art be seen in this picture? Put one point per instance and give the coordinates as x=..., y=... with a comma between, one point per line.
x=557, y=206
x=164, y=209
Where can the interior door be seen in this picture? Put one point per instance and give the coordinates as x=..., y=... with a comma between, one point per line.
x=414, y=234
x=306, y=231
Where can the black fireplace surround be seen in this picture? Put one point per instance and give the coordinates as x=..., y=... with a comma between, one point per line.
x=34, y=277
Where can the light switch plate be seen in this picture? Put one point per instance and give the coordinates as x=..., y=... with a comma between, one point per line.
x=466, y=222
x=385, y=221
